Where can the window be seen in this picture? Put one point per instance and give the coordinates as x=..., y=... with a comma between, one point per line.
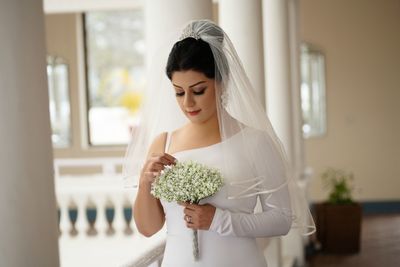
x=313, y=101
x=115, y=73
x=59, y=101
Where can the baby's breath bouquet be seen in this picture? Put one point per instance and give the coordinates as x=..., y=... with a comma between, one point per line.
x=187, y=182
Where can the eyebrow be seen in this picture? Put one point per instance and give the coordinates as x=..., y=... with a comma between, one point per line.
x=190, y=85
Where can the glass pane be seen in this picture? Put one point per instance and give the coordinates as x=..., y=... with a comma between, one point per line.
x=313, y=100
x=59, y=105
x=115, y=71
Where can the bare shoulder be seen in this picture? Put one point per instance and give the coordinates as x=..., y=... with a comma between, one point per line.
x=158, y=144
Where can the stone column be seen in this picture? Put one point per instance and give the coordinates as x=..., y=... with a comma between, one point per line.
x=28, y=224
x=242, y=21
x=278, y=71
x=298, y=156
x=164, y=17
x=281, y=46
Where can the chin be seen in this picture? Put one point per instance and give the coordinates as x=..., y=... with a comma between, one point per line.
x=195, y=120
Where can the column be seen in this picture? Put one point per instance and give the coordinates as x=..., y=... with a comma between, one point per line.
x=28, y=223
x=298, y=157
x=164, y=17
x=242, y=21
x=281, y=46
x=278, y=72
x=296, y=243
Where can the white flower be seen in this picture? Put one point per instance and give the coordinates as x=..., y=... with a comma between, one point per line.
x=186, y=181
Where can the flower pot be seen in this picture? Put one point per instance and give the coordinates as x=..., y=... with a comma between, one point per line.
x=339, y=227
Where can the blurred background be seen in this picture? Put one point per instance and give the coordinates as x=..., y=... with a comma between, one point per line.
x=72, y=75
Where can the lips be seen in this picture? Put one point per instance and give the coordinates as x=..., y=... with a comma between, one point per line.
x=194, y=113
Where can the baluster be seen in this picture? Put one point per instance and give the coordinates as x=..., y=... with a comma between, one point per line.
x=91, y=214
x=127, y=207
x=110, y=214
x=81, y=198
x=101, y=220
x=73, y=216
x=64, y=218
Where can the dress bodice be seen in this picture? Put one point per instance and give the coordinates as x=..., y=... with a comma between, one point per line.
x=215, y=250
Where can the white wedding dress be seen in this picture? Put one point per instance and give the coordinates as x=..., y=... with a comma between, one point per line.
x=230, y=241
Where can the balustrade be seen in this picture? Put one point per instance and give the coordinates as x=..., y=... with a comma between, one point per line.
x=95, y=219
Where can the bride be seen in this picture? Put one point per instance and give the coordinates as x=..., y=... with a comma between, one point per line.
x=204, y=109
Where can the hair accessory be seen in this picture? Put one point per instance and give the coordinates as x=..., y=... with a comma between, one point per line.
x=224, y=98
x=188, y=32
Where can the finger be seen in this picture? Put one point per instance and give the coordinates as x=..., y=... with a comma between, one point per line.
x=186, y=218
x=168, y=157
x=162, y=160
x=189, y=212
x=156, y=166
x=147, y=165
x=190, y=222
x=157, y=170
x=157, y=162
x=191, y=206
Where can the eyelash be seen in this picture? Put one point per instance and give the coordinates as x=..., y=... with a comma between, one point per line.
x=196, y=93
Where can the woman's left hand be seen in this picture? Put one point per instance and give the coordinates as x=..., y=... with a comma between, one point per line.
x=198, y=216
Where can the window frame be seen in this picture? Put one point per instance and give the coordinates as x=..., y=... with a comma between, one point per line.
x=323, y=118
x=87, y=104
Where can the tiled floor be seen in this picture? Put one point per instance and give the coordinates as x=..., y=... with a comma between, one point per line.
x=380, y=245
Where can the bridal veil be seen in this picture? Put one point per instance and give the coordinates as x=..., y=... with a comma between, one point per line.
x=238, y=108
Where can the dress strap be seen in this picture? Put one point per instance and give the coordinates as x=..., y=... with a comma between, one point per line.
x=167, y=142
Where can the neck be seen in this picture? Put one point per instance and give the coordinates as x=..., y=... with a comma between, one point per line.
x=207, y=128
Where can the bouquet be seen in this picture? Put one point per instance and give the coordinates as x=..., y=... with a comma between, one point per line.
x=187, y=182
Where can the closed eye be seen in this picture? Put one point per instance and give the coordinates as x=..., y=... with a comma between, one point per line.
x=194, y=92
x=199, y=92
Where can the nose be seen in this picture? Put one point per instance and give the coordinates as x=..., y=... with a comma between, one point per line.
x=188, y=101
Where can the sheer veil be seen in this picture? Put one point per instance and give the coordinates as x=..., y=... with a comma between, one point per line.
x=241, y=116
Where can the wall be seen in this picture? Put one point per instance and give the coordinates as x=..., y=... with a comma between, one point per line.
x=361, y=41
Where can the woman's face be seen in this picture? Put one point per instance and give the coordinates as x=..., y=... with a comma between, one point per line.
x=195, y=94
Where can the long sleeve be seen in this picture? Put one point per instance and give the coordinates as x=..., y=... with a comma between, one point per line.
x=265, y=162
x=268, y=223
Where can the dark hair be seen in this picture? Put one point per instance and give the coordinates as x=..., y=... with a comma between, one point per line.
x=192, y=54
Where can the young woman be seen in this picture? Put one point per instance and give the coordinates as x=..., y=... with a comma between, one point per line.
x=225, y=127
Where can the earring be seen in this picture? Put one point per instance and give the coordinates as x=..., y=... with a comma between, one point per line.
x=224, y=98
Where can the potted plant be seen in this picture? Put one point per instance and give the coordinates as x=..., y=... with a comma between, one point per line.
x=339, y=218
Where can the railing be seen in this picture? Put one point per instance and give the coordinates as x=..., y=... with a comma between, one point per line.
x=96, y=227
x=95, y=219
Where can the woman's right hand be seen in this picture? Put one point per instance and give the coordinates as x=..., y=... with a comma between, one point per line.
x=154, y=165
